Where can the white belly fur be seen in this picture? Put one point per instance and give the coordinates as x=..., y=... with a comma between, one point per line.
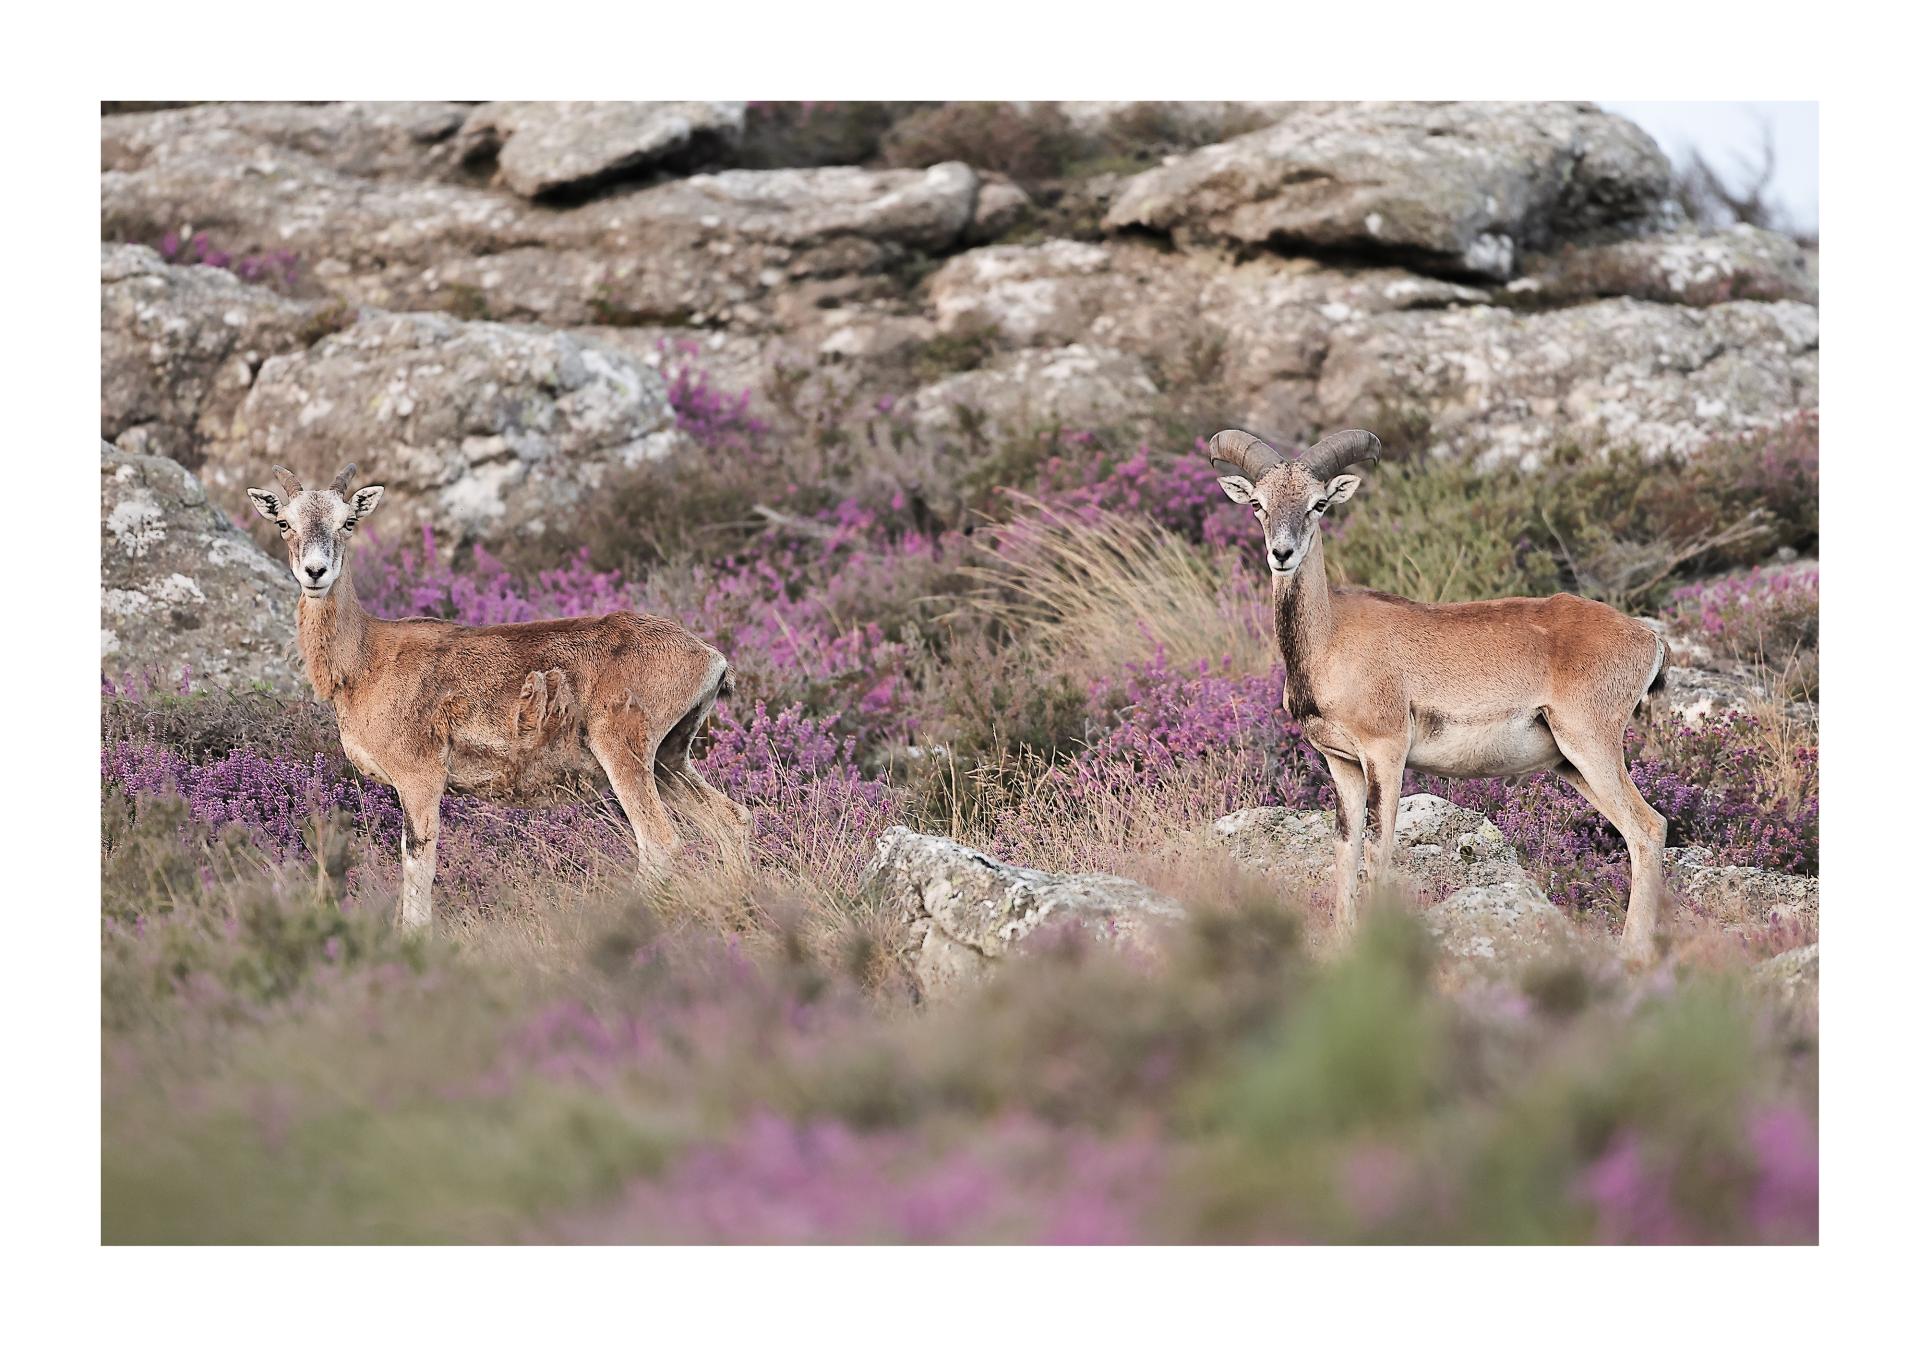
x=1508, y=747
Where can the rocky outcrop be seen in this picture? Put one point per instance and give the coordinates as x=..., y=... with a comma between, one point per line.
x=1742, y=895
x=967, y=911
x=181, y=587
x=1257, y=330
x=1697, y=694
x=1438, y=847
x=708, y=249
x=180, y=347
x=480, y=427
x=1335, y=263
x=1294, y=345
x=1494, y=380
x=1490, y=932
x=547, y=149
x=1188, y=122
x=1074, y=387
x=1454, y=188
x=1682, y=267
x=367, y=140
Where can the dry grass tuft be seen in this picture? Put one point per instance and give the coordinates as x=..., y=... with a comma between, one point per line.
x=1096, y=592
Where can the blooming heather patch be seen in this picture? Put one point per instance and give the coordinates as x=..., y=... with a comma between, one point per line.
x=1632, y=1197
x=1164, y=717
x=715, y=419
x=1784, y=1204
x=407, y=580
x=1178, y=490
x=809, y=799
x=1759, y=616
x=780, y=1181
x=278, y=267
x=270, y=804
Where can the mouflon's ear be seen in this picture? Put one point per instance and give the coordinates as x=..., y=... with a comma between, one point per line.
x=265, y=502
x=365, y=499
x=1342, y=488
x=1239, y=490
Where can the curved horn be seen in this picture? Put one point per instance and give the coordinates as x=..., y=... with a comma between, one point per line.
x=288, y=482
x=1235, y=451
x=339, y=487
x=1340, y=451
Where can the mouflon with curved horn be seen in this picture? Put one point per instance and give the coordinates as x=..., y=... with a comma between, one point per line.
x=1339, y=451
x=1236, y=451
x=1496, y=688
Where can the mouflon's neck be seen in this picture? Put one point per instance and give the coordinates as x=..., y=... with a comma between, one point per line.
x=1303, y=612
x=333, y=635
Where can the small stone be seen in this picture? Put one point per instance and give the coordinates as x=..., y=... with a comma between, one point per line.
x=970, y=911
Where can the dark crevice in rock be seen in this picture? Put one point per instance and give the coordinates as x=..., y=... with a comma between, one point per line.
x=705, y=151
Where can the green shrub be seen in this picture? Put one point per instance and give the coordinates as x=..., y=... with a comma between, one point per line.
x=1609, y=522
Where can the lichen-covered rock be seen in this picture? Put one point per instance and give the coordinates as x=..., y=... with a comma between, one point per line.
x=1000, y=205
x=1185, y=122
x=1695, y=694
x=1072, y=387
x=369, y=140
x=479, y=427
x=180, y=346
x=1438, y=847
x=181, y=587
x=712, y=247
x=1258, y=330
x=1489, y=932
x=968, y=910
x=1661, y=376
x=564, y=147
x=1681, y=267
x=1457, y=188
x=1742, y=895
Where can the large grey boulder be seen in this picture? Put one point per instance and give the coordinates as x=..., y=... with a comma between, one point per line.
x=968, y=911
x=1662, y=376
x=1072, y=387
x=1742, y=895
x=1491, y=932
x=1257, y=331
x=1181, y=122
x=563, y=147
x=481, y=427
x=181, y=587
x=372, y=140
x=707, y=249
x=180, y=346
x=1685, y=266
x=1438, y=847
x=1457, y=188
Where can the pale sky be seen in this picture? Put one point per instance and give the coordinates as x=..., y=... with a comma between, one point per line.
x=1727, y=136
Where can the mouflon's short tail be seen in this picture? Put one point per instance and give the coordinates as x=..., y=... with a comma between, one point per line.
x=1658, y=680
